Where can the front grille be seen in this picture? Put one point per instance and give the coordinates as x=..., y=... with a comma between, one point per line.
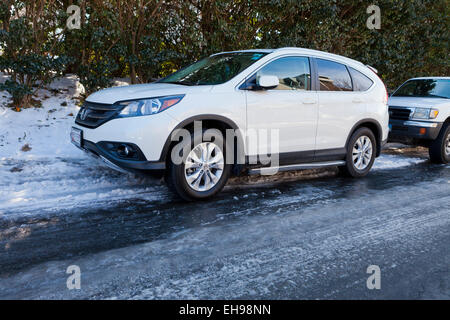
x=399, y=113
x=93, y=115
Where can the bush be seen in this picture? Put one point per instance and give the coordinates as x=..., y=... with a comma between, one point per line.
x=146, y=40
x=95, y=47
x=27, y=38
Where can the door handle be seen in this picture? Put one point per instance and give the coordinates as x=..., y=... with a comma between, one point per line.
x=357, y=100
x=309, y=101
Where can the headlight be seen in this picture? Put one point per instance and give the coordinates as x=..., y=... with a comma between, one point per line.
x=425, y=113
x=146, y=107
x=421, y=113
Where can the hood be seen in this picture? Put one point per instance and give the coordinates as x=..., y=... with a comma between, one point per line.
x=418, y=102
x=141, y=91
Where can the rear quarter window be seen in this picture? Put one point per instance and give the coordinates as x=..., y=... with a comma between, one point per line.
x=360, y=81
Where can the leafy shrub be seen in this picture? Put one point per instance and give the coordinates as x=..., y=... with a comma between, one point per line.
x=28, y=34
x=146, y=40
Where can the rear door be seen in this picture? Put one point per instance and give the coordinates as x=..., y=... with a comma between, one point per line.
x=339, y=108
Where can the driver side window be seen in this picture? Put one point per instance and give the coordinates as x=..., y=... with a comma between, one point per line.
x=293, y=73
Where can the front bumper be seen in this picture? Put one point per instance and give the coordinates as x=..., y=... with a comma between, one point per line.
x=119, y=164
x=413, y=131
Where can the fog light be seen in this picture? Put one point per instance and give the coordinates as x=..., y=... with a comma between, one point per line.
x=423, y=131
x=124, y=150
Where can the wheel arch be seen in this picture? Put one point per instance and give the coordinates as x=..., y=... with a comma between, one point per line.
x=374, y=126
x=209, y=121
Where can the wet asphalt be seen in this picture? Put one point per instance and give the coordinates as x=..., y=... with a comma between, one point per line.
x=306, y=236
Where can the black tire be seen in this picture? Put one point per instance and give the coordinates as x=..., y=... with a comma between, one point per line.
x=176, y=179
x=350, y=169
x=437, y=148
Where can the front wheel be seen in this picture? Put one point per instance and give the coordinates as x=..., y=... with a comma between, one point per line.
x=361, y=153
x=203, y=171
x=440, y=148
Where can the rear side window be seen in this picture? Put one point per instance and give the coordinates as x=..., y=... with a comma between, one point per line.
x=360, y=81
x=292, y=72
x=333, y=76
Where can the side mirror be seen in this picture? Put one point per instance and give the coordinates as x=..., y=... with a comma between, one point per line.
x=268, y=82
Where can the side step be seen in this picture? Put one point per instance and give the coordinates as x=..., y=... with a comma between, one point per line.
x=302, y=166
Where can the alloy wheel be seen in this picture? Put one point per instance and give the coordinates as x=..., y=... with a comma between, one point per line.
x=204, y=166
x=447, y=145
x=362, y=153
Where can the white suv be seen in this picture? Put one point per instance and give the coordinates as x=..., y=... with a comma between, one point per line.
x=318, y=109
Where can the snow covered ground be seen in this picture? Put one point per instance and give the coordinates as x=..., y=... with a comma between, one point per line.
x=44, y=130
x=41, y=170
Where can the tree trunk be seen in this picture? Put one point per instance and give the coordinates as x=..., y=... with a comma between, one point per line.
x=23, y=103
x=133, y=52
x=133, y=74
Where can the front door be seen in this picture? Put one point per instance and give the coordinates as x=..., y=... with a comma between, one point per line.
x=291, y=108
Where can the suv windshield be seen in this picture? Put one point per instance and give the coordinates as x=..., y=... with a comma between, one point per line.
x=213, y=70
x=429, y=88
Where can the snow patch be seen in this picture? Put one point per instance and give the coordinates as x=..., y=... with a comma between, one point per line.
x=39, y=167
x=389, y=161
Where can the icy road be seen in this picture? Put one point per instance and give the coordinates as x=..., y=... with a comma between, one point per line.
x=309, y=235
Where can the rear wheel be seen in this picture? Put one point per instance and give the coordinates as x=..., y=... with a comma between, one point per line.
x=440, y=148
x=203, y=171
x=361, y=153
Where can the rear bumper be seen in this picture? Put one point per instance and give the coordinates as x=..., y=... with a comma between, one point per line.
x=413, y=131
x=112, y=161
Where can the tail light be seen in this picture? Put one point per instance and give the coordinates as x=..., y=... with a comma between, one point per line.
x=386, y=99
